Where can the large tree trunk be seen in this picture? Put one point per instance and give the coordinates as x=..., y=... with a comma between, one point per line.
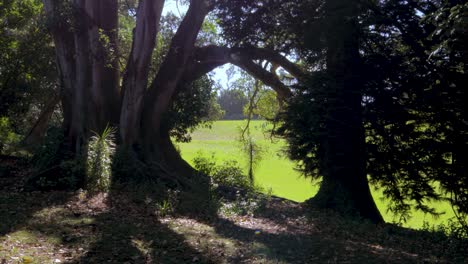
x=89, y=73
x=104, y=107
x=161, y=91
x=136, y=74
x=172, y=156
x=344, y=187
x=87, y=61
x=64, y=50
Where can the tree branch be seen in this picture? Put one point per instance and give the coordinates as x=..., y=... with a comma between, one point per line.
x=159, y=95
x=207, y=58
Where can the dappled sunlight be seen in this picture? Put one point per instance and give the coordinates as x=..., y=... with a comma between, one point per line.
x=203, y=237
x=24, y=245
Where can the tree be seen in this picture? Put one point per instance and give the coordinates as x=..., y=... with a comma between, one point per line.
x=415, y=103
x=340, y=146
x=343, y=160
x=232, y=101
x=85, y=35
x=27, y=73
x=391, y=84
x=340, y=136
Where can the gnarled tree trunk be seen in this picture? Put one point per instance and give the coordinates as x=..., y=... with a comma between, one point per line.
x=87, y=52
x=88, y=72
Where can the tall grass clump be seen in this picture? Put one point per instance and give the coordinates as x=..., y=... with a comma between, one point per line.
x=101, y=149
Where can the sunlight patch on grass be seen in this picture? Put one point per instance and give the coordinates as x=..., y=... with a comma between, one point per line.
x=23, y=237
x=203, y=237
x=81, y=221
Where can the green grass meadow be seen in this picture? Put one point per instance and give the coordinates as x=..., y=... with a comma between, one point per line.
x=275, y=171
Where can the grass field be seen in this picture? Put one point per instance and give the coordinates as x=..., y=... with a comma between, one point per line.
x=275, y=171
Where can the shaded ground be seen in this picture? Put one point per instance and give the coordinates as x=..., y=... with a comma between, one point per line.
x=134, y=227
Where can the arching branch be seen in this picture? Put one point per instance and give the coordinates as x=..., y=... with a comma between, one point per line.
x=274, y=57
x=268, y=78
x=206, y=59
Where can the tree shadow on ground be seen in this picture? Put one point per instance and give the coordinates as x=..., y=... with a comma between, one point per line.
x=329, y=238
x=129, y=231
x=127, y=226
x=17, y=206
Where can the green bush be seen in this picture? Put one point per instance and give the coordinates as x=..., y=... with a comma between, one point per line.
x=8, y=139
x=56, y=167
x=101, y=149
x=49, y=153
x=229, y=173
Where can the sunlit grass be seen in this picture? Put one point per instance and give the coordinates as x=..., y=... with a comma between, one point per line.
x=275, y=171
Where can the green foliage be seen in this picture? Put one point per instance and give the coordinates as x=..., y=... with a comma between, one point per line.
x=192, y=107
x=304, y=125
x=165, y=207
x=169, y=204
x=229, y=173
x=215, y=112
x=27, y=62
x=50, y=153
x=248, y=22
x=249, y=204
x=452, y=235
x=67, y=175
x=232, y=101
x=8, y=139
x=266, y=105
x=101, y=149
x=56, y=167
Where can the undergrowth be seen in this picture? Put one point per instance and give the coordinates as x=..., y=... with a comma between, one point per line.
x=248, y=199
x=101, y=149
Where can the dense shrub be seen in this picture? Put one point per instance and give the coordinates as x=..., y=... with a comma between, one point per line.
x=50, y=153
x=8, y=139
x=229, y=173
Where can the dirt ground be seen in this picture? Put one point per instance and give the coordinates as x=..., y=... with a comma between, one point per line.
x=117, y=227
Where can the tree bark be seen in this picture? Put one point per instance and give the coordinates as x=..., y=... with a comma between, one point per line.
x=65, y=55
x=170, y=73
x=207, y=58
x=136, y=73
x=344, y=187
x=80, y=115
x=103, y=46
x=88, y=72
